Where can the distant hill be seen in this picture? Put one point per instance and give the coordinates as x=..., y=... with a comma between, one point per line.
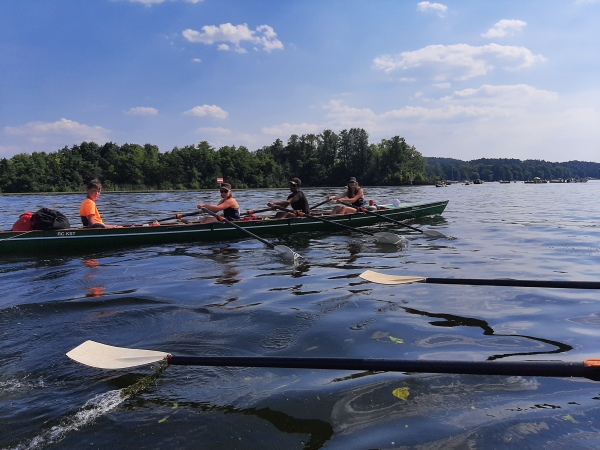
x=494, y=169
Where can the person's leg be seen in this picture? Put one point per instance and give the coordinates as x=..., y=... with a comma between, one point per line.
x=208, y=220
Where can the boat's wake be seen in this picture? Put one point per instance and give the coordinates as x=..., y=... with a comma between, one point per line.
x=94, y=408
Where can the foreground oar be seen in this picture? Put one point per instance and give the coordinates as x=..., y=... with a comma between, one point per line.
x=384, y=238
x=431, y=233
x=382, y=278
x=105, y=356
x=285, y=252
x=178, y=216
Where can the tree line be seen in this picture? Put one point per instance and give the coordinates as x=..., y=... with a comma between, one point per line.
x=488, y=169
x=325, y=159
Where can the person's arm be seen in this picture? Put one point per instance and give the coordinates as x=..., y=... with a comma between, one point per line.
x=220, y=207
x=285, y=203
x=337, y=197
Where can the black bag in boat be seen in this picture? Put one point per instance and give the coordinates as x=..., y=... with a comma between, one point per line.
x=49, y=219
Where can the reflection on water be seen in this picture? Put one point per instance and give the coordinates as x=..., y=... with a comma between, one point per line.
x=239, y=298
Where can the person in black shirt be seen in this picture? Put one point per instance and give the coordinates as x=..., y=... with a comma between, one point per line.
x=297, y=200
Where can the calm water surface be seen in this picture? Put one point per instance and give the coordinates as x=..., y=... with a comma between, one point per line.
x=239, y=298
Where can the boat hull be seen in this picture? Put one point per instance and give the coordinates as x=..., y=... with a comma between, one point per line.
x=94, y=239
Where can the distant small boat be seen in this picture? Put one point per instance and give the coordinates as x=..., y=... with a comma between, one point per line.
x=503, y=182
x=478, y=181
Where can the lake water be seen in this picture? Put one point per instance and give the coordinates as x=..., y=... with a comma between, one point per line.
x=240, y=298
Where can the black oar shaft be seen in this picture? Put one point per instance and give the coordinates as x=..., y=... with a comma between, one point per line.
x=506, y=368
x=319, y=204
x=331, y=222
x=517, y=283
x=179, y=216
x=389, y=219
x=264, y=241
x=271, y=209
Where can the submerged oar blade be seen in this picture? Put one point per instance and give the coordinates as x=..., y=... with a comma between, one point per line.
x=382, y=278
x=286, y=253
x=433, y=233
x=389, y=238
x=104, y=356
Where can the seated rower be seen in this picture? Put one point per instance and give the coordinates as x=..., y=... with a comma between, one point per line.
x=296, y=199
x=353, y=195
x=228, y=204
x=90, y=217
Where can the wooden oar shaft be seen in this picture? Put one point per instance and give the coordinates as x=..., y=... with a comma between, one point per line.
x=249, y=233
x=506, y=368
x=331, y=222
x=389, y=219
x=517, y=283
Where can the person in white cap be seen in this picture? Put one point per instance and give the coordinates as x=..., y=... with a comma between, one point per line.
x=228, y=204
x=297, y=200
x=354, y=195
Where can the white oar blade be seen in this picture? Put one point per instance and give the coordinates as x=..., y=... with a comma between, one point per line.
x=390, y=238
x=381, y=278
x=104, y=356
x=287, y=253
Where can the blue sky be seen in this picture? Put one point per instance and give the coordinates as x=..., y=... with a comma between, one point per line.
x=461, y=79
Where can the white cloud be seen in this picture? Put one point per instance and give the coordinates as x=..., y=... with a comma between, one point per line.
x=214, y=130
x=287, y=129
x=142, y=111
x=459, y=61
x=504, y=27
x=196, y=60
x=442, y=85
x=518, y=94
x=432, y=7
x=207, y=110
x=41, y=132
x=264, y=36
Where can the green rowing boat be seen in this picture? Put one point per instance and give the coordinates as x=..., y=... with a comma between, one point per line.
x=92, y=239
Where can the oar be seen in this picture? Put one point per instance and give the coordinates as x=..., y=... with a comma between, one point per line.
x=286, y=252
x=319, y=204
x=382, y=278
x=252, y=211
x=104, y=356
x=431, y=233
x=178, y=216
x=383, y=237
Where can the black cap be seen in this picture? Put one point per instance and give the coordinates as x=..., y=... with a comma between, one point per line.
x=352, y=180
x=295, y=181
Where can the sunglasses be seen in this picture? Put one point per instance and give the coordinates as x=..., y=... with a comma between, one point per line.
x=224, y=191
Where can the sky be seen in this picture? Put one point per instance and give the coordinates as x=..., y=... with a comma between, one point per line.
x=459, y=79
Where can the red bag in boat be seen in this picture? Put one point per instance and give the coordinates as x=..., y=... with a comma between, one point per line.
x=24, y=222
x=250, y=217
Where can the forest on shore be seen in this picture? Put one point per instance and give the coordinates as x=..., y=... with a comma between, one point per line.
x=325, y=159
